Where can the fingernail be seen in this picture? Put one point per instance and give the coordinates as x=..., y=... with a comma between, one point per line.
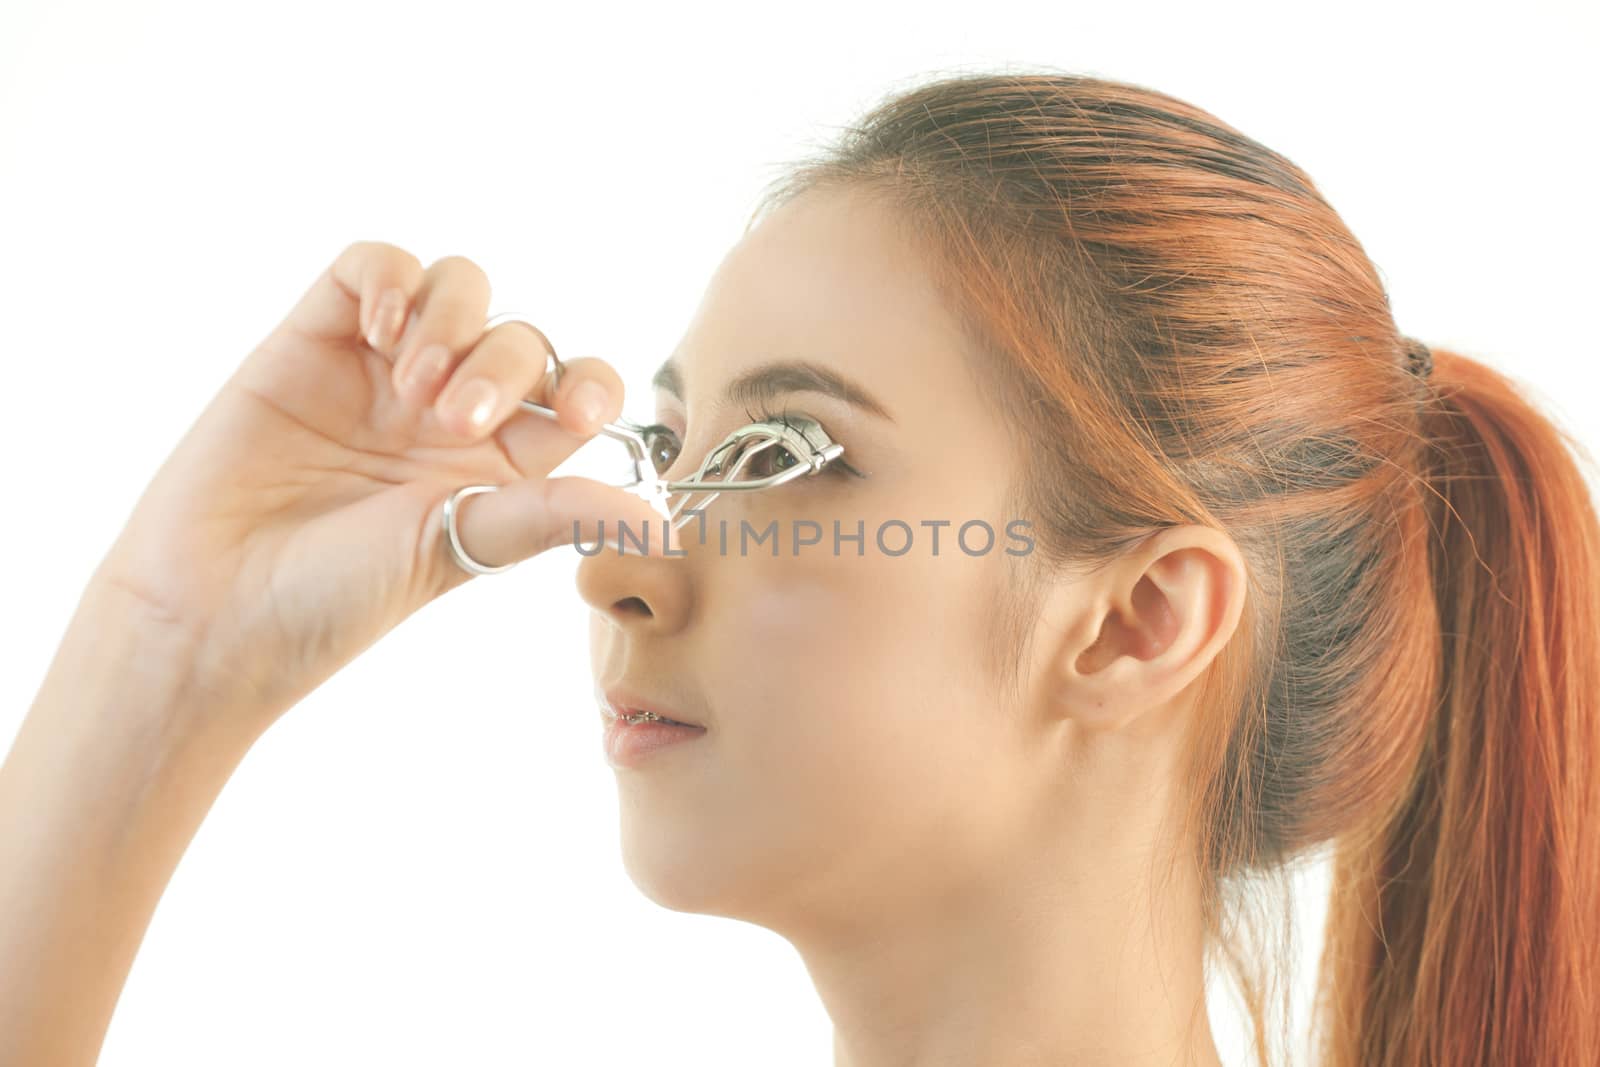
x=589, y=400
x=473, y=401
x=386, y=320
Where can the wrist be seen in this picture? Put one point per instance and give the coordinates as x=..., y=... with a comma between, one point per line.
x=138, y=673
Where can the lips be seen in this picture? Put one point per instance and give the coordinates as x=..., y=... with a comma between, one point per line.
x=617, y=701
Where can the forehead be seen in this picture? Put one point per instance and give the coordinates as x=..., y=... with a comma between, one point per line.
x=832, y=277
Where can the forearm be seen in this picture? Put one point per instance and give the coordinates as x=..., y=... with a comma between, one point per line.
x=110, y=775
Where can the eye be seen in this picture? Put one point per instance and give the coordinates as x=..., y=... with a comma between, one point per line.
x=662, y=446
x=774, y=459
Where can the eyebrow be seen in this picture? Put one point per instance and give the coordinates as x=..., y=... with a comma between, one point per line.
x=776, y=378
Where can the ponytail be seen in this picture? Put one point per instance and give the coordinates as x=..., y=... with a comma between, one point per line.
x=1464, y=928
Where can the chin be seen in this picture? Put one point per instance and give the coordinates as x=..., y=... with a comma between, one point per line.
x=669, y=869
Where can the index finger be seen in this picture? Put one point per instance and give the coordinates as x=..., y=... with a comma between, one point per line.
x=589, y=393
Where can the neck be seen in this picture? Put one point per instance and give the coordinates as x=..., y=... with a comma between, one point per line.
x=1088, y=954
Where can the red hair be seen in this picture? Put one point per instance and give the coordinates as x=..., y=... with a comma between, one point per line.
x=1185, y=332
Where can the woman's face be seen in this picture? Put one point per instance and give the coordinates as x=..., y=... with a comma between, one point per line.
x=858, y=759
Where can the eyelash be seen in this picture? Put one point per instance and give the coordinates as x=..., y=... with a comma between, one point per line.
x=838, y=467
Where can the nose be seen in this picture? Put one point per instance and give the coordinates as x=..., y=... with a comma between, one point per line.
x=646, y=593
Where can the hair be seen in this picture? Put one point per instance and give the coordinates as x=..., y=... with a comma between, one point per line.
x=1184, y=332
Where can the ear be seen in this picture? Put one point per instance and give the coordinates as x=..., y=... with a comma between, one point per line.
x=1142, y=628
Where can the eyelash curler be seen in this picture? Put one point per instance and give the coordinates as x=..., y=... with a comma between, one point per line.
x=800, y=436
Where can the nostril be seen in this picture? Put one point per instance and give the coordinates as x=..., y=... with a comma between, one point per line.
x=632, y=605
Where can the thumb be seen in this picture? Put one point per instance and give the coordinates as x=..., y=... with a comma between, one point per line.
x=524, y=518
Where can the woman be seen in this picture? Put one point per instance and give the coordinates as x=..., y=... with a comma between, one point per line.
x=1294, y=581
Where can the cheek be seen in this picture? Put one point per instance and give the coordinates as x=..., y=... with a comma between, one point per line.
x=852, y=669
x=790, y=650
x=861, y=741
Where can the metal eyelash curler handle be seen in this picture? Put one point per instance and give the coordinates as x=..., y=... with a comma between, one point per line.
x=647, y=484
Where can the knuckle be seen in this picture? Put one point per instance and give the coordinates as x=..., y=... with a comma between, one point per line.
x=465, y=273
x=387, y=260
x=462, y=265
x=457, y=296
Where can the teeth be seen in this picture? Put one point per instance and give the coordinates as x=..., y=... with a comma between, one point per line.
x=650, y=716
x=634, y=718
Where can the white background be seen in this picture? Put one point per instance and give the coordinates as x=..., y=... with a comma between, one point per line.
x=419, y=864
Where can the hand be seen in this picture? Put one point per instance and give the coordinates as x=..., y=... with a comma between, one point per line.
x=298, y=520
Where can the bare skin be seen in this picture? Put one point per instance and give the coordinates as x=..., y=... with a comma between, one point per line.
x=967, y=882
x=293, y=525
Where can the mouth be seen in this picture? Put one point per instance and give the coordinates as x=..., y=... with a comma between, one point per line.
x=631, y=708
x=635, y=717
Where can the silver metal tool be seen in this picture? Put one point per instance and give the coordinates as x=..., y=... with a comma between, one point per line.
x=802, y=437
